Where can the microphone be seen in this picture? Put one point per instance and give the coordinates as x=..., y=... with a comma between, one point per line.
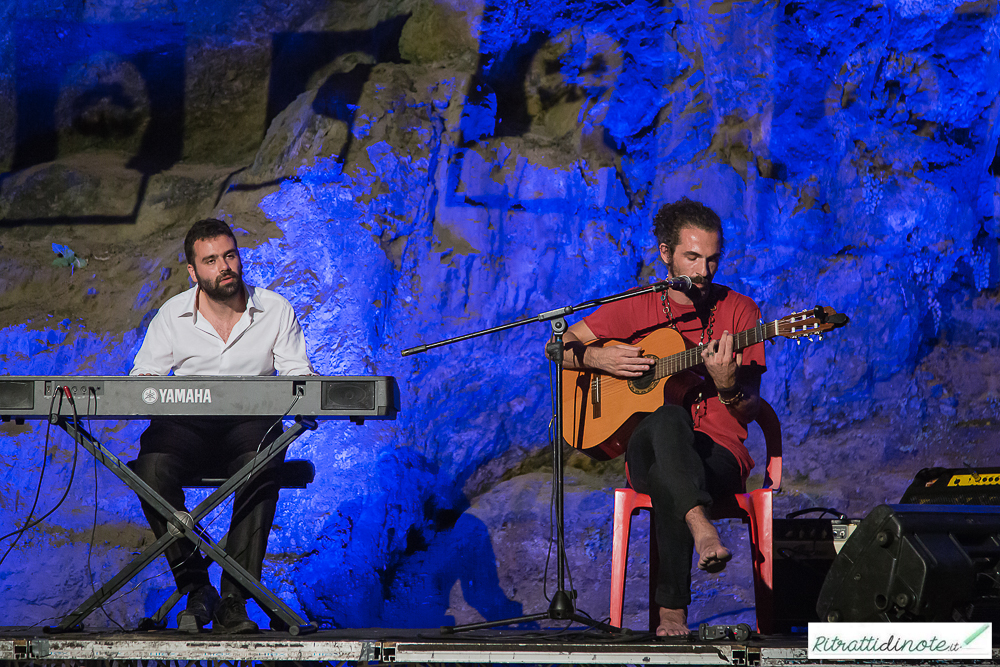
x=682, y=283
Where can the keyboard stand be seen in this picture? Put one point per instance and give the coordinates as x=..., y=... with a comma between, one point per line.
x=182, y=524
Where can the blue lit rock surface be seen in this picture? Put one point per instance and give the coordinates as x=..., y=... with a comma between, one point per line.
x=447, y=167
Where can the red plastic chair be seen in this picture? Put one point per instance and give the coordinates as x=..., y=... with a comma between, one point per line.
x=753, y=507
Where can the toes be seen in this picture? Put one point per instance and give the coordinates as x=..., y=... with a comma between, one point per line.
x=715, y=561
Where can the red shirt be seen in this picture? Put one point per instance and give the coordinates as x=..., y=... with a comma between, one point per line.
x=631, y=320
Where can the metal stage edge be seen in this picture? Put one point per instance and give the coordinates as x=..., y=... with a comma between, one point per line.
x=377, y=646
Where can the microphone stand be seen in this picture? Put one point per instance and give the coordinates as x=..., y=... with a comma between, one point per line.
x=561, y=607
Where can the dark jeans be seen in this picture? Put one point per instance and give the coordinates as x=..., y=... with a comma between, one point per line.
x=678, y=468
x=173, y=451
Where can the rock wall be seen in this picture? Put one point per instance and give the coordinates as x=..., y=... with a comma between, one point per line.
x=409, y=172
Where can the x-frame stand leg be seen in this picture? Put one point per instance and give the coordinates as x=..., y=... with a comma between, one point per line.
x=184, y=525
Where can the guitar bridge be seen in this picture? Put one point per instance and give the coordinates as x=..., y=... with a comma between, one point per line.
x=595, y=395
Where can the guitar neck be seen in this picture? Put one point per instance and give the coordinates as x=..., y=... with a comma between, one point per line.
x=691, y=357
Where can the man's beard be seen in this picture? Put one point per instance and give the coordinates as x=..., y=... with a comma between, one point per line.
x=699, y=293
x=219, y=292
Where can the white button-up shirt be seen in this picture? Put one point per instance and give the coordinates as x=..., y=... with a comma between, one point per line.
x=267, y=339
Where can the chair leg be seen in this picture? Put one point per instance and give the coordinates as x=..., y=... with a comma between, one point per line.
x=619, y=552
x=759, y=509
x=765, y=599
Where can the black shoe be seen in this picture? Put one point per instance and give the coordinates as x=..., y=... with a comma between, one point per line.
x=201, y=605
x=231, y=618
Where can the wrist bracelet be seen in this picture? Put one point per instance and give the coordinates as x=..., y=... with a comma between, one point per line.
x=736, y=398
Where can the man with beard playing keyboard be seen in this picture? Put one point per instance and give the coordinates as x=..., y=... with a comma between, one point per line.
x=221, y=326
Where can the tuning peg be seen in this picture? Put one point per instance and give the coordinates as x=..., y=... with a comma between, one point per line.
x=821, y=336
x=798, y=341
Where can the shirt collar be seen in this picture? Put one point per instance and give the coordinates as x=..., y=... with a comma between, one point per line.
x=253, y=301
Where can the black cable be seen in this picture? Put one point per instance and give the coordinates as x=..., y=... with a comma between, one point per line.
x=93, y=525
x=217, y=511
x=108, y=601
x=76, y=452
x=552, y=390
x=254, y=469
x=569, y=573
x=92, y=538
x=93, y=528
x=260, y=445
x=38, y=489
x=52, y=413
x=552, y=494
x=555, y=440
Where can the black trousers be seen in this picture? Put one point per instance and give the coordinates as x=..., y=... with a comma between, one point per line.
x=678, y=468
x=173, y=451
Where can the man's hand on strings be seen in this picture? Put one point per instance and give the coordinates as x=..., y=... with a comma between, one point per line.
x=623, y=361
x=721, y=362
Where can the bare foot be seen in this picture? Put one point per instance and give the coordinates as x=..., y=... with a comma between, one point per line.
x=673, y=622
x=712, y=553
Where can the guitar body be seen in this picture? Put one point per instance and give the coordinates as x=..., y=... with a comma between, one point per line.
x=601, y=411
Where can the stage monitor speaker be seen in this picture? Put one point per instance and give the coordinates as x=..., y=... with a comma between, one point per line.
x=917, y=563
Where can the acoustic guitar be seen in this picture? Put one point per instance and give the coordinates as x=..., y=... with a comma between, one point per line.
x=600, y=410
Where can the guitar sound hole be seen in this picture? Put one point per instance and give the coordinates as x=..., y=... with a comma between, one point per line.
x=644, y=382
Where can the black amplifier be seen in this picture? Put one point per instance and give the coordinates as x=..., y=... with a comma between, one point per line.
x=804, y=549
x=954, y=486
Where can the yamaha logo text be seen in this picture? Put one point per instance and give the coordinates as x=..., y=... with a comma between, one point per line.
x=151, y=395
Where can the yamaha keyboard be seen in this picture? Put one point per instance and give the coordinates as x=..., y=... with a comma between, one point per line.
x=140, y=397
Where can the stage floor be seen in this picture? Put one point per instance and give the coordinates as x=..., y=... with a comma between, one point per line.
x=382, y=646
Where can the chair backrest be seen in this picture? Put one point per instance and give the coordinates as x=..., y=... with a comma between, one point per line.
x=771, y=428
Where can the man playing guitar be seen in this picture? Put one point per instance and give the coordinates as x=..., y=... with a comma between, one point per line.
x=683, y=455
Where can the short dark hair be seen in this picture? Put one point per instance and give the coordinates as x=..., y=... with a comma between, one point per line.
x=672, y=218
x=209, y=228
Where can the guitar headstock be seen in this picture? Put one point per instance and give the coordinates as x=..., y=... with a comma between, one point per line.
x=819, y=320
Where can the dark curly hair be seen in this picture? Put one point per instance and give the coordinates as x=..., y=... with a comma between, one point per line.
x=203, y=230
x=672, y=218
